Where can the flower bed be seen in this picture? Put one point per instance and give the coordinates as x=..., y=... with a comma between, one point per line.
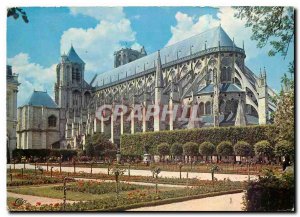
x=94, y=187
x=29, y=179
x=138, y=198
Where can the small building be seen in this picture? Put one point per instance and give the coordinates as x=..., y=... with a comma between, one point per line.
x=38, y=123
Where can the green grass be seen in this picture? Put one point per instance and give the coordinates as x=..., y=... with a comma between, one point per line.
x=49, y=191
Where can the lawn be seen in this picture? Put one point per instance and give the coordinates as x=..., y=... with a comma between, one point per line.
x=76, y=193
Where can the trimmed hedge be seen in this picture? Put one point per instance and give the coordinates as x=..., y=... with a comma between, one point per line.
x=44, y=153
x=133, y=144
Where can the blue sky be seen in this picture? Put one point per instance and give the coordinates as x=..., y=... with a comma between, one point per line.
x=34, y=49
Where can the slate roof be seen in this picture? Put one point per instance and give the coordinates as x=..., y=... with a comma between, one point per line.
x=208, y=120
x=194, y=44
x=224, y=88
x=40, y=98
x=73, y=56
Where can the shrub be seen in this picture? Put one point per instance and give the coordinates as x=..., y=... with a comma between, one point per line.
x=271, y=193
x=242, y=148
x=44, y=153
x=263, y=148
x=133, y=144
x=190, y=149
x=89, y=150
x=176, y=149
x=102, y=145
x=284, y=148
x=163, y=149
x=225, y=148
x=206, y=149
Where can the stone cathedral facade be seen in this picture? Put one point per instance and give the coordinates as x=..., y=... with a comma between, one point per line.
x=207, y=70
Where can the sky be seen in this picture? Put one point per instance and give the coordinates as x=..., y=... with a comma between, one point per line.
x=34, y=49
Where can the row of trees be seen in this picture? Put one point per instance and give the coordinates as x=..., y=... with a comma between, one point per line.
x=226, y=148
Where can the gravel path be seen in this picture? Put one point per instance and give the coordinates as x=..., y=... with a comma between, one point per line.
x=169, y=174
x=228, y=202
x=34, y=199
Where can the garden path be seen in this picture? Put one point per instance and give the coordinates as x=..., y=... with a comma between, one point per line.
x=169, y=174
x=228, y=202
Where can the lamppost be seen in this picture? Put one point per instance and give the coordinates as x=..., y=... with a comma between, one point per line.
x=118, y=155
x=51, y=172
x=155, y=173
x=65, y=189
x=180, y=167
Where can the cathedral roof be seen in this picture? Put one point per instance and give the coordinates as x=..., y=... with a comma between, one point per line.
x=225, y=87
x=40, y=98
x=211, y=38
x=73, y=56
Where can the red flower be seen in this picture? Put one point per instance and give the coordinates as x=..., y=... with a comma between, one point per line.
x=38, y=203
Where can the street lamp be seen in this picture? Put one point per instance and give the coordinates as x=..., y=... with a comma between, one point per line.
x=65, y=189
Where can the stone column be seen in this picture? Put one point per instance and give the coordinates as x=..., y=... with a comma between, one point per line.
x=112, y=127
x=122, y=121
x=144, y=116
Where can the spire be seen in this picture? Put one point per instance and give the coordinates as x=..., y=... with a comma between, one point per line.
x=260, y=74
x=240, y=119
x=264, y=72
x=159, y=82
x=73, y=56
x=143, y=51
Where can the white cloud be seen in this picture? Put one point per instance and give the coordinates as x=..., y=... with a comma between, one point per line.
x=96, y=45
x=188, y=26
x=136, y=46
x=31, y=76
x=100, y=13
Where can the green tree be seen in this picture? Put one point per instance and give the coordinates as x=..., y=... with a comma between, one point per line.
x=176, y=149
x=163, y=149
x=225, y=148
x=190, y=149
x=16, y=12
x=263, y=148
x=242, y=148
x=102, y=145
x=284, y=148
x=89, y=150
x=206, y=149
x=285, y=117
x=273, y=25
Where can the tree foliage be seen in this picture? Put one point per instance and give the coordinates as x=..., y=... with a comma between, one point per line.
x=225, y=148
x=284, y=148
x=285, y=117
x=242, y=148
x=176, y=149
x=273, y=25
x=102, y=146
x=16, y=12
x=190, y=149
x=163, y=149
x=263, y=148
x=206, y=149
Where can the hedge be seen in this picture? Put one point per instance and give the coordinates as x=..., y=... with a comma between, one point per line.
x=271, y=193
x=134, y=144
x=44, y=153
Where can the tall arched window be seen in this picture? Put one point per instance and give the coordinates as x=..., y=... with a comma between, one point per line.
x=208, y=108
x=201, y=108
x=52, y=121
x=226, y=74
